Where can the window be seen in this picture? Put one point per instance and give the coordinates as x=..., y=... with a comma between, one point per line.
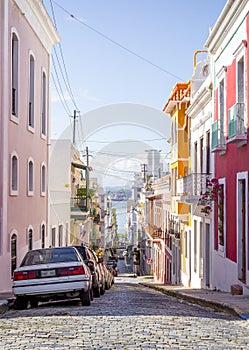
x=31, y=91
x=43, y=180
x=53, y=237
x=44, y=105
x=240, y=81
x=195, y=158
x=30, y=239
x=14, y=74
x=30, y=177
x=43, y=236
x=67, y=234
x=222, y=109
x=208, y=155
x=13, y=251
x=60, y=235
x=240, y=97
x=201, y=155
x=14, y=175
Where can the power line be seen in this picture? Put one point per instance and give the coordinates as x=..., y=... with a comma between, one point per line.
x=61, y=95
x=130, y=141
x=118, y=44
x=66, y=80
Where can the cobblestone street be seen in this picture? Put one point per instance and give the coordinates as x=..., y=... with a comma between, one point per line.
x=128, y=316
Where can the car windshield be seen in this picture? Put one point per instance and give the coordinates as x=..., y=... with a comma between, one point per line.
x=50, y=255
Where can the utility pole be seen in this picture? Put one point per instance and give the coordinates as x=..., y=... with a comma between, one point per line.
x=143, y=170
x=74, y=125
x=87, y=157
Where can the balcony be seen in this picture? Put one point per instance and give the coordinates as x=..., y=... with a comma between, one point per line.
x=155, y=231
x=218, y=137
x=191, y=187
x=79, y=208
x=236, y=124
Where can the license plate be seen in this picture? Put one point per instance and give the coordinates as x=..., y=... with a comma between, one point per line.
x=47, y=273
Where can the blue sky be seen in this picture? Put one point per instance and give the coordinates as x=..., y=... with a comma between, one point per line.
x=103, y=72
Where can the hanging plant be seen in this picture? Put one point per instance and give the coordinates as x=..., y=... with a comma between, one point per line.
x=212, y=194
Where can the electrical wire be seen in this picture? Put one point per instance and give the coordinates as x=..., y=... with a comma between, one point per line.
x=117, y=43
x=130, y=141
x=62, y=98
x=65, y=78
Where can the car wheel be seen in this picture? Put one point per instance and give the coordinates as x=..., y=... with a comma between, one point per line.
x=102, y=289
x=91, y=293
x=33, y=302
x=21, y=303
x=96, y=292
x=86, y=298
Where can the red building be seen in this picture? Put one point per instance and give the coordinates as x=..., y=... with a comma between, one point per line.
x=228, y=46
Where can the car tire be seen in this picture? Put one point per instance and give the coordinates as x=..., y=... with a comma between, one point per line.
x=21, y=303
x=91, y=291
x=102, y=289
x=96, y=292
x=33, y=302
x=85, y=298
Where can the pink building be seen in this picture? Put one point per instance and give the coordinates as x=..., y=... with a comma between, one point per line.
x=26, y=41
x=228, y=44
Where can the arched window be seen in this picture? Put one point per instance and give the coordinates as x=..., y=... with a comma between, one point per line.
x=13, y=250
x=43, y=180
x=30, y=177
x=44, y=105
x=14, y=173
x=14, y=74
x=31, y=91
x=43, y=236
x=30, y=239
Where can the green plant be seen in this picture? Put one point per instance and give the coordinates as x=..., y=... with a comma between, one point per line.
x=212, y=194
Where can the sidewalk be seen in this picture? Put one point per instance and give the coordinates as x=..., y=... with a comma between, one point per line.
x=235, y=304
x=6, y=299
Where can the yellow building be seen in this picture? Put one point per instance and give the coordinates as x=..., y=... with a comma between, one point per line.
x=176, y=107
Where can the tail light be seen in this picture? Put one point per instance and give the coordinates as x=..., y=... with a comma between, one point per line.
x=90, y=264
x=24, y=275
x=69, y=271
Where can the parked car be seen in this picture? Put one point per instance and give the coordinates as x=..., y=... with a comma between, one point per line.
x=92, y=261
x=109, y=278
x=51, y=274
x=112, y=265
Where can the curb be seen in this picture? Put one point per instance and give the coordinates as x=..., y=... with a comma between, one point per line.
x=203, y=302
x=5, y=305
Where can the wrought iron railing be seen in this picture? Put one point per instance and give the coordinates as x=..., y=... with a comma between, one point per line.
x=236, y=116
x=79, y=203
x=218, y=136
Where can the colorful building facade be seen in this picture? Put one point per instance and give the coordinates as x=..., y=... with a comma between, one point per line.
x=27, y=38
x=228, y=48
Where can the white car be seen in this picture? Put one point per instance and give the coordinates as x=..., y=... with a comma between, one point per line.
x=51, y=274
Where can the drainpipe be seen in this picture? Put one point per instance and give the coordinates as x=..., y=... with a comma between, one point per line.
x=195, y=54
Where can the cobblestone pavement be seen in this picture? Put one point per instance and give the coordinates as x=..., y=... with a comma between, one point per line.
x=129, y=316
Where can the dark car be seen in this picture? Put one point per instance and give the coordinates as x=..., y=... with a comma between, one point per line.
x=109, y=277
x=92, y=261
